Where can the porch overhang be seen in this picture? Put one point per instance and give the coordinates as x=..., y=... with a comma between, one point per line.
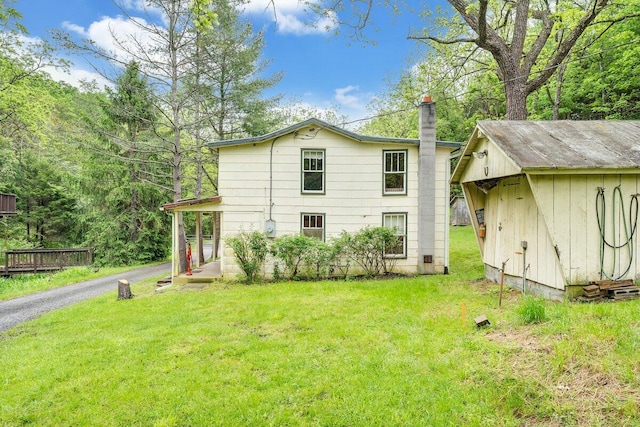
x=192, y=205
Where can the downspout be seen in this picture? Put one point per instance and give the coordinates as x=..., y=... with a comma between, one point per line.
x=270, y=225
x=271, y=177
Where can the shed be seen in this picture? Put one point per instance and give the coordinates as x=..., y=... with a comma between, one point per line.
x=459, y=211
x=556, y=201
x=7, y=204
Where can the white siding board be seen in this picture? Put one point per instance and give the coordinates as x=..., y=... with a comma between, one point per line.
x=592, y=256
x=627, y=187
x=548, y=270
x=610, y=267
x=562, y=221
x=530, y=231
x=577, y=196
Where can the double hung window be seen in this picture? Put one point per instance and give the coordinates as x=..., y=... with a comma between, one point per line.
x=313, y=171
x=397, y=222
x=395, y=172
x=313, y=225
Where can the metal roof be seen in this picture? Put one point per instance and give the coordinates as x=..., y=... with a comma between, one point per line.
x=566, y=144
x=324, y=125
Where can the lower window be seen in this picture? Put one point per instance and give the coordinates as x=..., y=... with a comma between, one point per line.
x=313, y=225
x=398, y=223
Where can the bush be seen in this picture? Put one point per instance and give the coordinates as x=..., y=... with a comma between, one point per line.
x=300, y=256
x=340, y=255
x=367, y=249
x=250, y=250
x=293, y=252
x=317, y=259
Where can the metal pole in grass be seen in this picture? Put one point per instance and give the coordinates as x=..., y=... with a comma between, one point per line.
x=502, y=281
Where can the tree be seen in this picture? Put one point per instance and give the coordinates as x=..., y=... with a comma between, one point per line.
x=397, y=112
x=171, y=55
x=163, y=48
x=600, y=81
x=227, y=86
x=527, y=39
x=131, y=106
x=47, y=209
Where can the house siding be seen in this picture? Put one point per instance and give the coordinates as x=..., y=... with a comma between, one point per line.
x=353, y=190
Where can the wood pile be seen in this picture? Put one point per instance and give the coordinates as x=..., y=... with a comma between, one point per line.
x=610, y=289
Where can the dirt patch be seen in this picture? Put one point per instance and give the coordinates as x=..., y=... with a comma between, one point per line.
x=577, y=389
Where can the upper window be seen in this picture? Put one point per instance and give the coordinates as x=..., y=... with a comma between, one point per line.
x=398, y=223
x=313, y=225
x=395, y=172
x=313, y=171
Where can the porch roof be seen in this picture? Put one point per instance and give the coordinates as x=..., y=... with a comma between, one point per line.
x=192, y=205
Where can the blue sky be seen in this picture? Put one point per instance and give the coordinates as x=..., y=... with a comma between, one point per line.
x=321, y=70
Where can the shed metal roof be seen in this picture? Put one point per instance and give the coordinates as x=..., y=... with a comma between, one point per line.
x=566, y=144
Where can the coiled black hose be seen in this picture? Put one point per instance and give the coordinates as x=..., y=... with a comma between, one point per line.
x=629, y=231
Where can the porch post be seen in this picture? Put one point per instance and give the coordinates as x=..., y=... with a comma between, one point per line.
x=198, y=237
x=175, y=252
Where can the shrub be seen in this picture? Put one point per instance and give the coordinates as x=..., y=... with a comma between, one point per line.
x=291, y=250
x=367, y=249
x=340, y=255
x=250, y=250
x=317, y=259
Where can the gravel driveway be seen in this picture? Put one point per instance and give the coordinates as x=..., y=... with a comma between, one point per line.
x=18, y=310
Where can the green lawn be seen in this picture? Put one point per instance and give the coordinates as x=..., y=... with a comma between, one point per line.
x=331, y=353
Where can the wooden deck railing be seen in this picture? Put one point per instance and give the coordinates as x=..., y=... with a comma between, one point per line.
x=42, y=260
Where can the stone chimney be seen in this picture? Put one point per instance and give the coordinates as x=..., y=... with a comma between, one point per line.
x=426, y=186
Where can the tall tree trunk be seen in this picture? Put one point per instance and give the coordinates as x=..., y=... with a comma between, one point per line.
x=516, y=97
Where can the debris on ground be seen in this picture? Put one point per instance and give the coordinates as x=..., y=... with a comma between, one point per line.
x=616, y=290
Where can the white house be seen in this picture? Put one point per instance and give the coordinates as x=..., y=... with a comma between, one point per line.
x=317, y=179
x=555, y=201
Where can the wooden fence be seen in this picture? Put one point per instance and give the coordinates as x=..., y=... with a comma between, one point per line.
x=42, y=260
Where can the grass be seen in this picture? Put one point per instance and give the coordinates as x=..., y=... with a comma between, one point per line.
x=356, y=353
x=25, y=284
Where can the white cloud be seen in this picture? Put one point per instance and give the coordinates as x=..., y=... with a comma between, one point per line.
x=345, y=97
x=353, y=102
x=115, y=35
x=292, y=17
x=76, y=76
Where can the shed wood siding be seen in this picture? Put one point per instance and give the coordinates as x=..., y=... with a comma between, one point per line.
x=511, y=216
x=493, y=165
x=539, y=183
x=353, y=198
x=572, y=220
